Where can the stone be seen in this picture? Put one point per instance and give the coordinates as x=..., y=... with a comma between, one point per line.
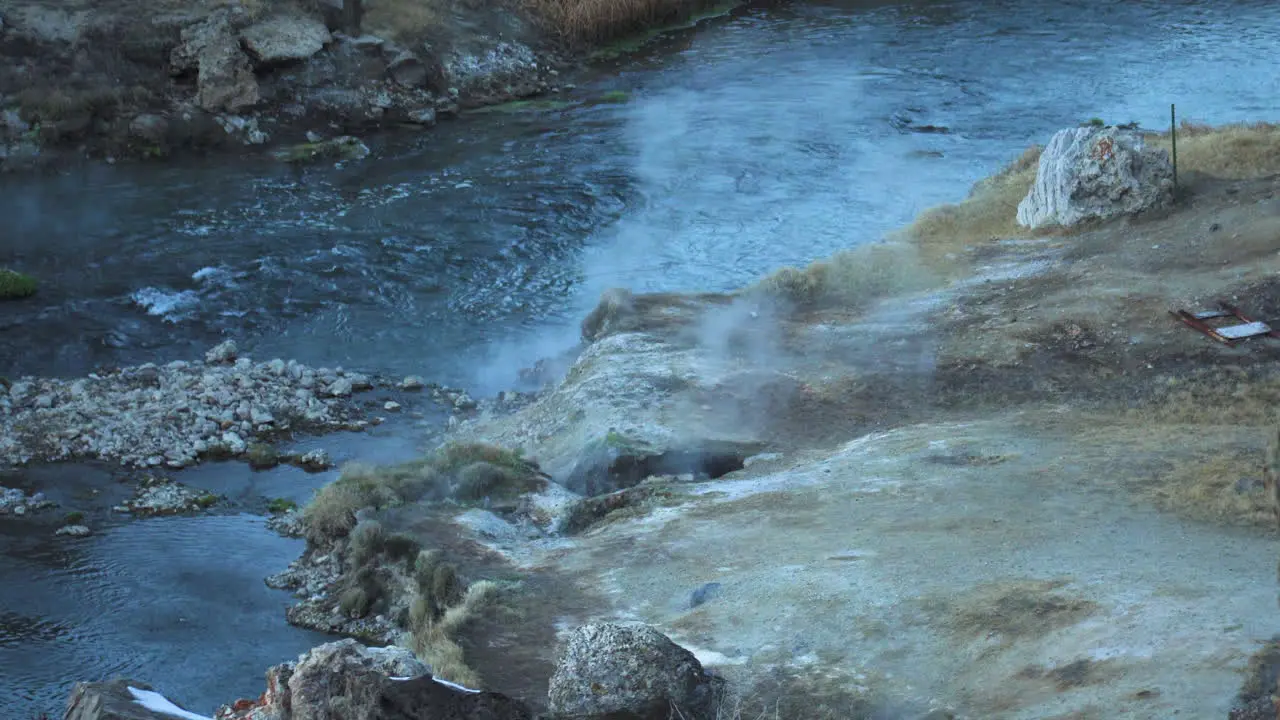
x=341, y=387
x=407, y=69
x=423, y=116
x=315, y=461
x=285, y=39
x=224, y=78
x=112, y=701
x=412, y=382
x=391, y=406
x=74, y=531
x=629, y=670
x=224, y=352
x=149, y=127
x=348, y=680
x=1096, y=173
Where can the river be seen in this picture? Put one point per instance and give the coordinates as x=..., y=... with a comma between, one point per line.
x=773, y=137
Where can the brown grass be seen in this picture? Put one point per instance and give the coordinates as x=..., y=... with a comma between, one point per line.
x=435, y=639
x=591, y=22
x=990, y=211
x=1013, y=609
x=1223, y=488
x=1238, y=151
x=850, y=278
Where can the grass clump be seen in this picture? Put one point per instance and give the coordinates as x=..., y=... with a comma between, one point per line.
x=370, y=541
x=1237, y=151
x=262, y=456
x=279, y=506
x=331, y=514
x=990, y=211
x=1223, y=488
x=850, y=278
x=435, y=639
x=591, y=22
x=15, y=285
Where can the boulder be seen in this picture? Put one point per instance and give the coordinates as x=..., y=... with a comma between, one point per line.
x=348, y=680
x=1096, y=173
x=225, y=80
x=112, y=701
x=284, y=39
x=629, y=671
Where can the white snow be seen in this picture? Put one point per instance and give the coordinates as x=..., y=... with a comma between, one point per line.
x=446, y=683
x=155, y=702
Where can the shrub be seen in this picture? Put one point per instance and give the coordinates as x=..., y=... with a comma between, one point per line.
x=15, y=285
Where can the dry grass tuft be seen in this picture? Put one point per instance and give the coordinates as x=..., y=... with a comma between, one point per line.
x=435, y=638
x=988, y=213
x=1239, y=151
x=850, y=278
x=591, y=22
x=331, y=513
x=1224, y=488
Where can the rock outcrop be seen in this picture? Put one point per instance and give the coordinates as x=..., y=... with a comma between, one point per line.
x=285, y=39
x=1096, y=173
x=112, y=700
x=629, y=672
x=224, y=77
x=348, y=680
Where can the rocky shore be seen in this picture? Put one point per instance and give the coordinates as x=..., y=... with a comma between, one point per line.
x=774, y=485
x=97, y=79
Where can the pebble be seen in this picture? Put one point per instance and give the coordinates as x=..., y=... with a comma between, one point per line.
x=391, y=406
x=413, y=382
x=150, y=416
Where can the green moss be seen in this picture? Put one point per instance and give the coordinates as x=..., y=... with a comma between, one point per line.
x=279, y=506
x=339, y=148
x=1095, y=122
x=262, y=456
x=207, y=501
x=519, y=106
x=614, y=97
x=15, y=285
x=74, y=518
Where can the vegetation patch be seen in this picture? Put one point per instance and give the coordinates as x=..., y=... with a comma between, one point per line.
x=443, y=606
x=15, y=285
x=262, y=456
x=1237, y=151
x=468, y=473
x=586, y=23
x=278, y=506
x=1223, y=488
x=850, y=278
x=74, y=518
x=1011, y=610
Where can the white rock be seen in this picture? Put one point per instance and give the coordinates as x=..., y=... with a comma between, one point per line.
x=234, y=442
x=1096, y=173
x=341, y=387
x=412, y=382
x=391, y=406
x=74, y=530
x=261, y=416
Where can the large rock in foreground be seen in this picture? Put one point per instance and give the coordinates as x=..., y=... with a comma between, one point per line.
x=629, y=672
x=348, y=680
x=1096, y=173
x=110, y=701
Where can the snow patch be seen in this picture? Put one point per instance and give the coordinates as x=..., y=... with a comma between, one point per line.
x=155, y=702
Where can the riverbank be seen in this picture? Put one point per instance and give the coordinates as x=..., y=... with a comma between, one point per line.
x=946, y=470
x=113, y=80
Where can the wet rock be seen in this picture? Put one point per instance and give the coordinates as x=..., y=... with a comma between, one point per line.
x=423, y=116
x=113, y=701
x=407, y=69
x=224, y=352
x=224, y=78
x=349, y=680
x=149, y=127
x=14, y=501
x=707, y=592
x=315, y=461
x=341, y=387
x=1096, y=173
x=161, y=496
x=629, y=670
x=285, y=39
x=391, y=406
x=412, y=382
x=74, y=531
x=288, y=524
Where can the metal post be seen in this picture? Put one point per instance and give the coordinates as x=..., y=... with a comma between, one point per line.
x=1173, y=135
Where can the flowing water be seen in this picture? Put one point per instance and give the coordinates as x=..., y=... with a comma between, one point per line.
x=775, y=137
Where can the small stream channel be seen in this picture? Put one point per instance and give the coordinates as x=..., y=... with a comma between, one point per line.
x=773, y=137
